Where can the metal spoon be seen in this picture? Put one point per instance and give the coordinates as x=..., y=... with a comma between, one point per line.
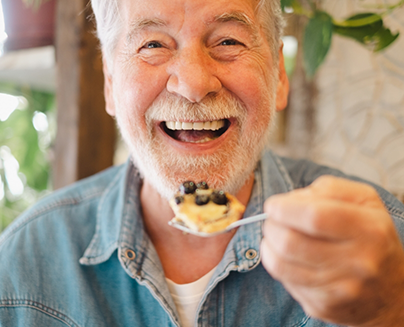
x=237, y=223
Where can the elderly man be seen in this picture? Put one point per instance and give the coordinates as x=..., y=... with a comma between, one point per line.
x=100, y=253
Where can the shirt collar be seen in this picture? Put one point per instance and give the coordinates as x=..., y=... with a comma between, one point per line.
x=120, y=225
x=118, y=217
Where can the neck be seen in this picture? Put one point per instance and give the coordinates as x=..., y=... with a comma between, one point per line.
x=185, y=258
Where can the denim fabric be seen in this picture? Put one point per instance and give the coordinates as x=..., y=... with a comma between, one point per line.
x=81, y=257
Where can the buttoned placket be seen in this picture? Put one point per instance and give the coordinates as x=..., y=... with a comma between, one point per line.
x=243, y=251
x=237, y=256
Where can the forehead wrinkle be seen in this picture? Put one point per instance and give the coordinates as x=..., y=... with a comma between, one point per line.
x=138, y=25
x=237, y=17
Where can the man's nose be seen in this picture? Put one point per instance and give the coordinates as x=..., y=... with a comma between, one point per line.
x=193, y=75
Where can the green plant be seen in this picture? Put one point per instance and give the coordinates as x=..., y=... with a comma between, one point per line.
x=25, y=139
x=366, y=28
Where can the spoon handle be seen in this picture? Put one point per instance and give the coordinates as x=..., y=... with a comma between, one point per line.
x=248, y=220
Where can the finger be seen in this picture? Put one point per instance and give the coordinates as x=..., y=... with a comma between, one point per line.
x=332, y=285
x=322, y=218
x=345, y=190
x=291, y=272
x=300, y=248
x=365, y=258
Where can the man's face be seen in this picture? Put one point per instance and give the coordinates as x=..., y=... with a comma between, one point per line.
x=193, y=86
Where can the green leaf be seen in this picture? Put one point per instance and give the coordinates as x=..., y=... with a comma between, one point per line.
x=295, y=4
x=382, y=39
x=374, y=35
x=359, y=20
x=286, y=3
x=317, y=41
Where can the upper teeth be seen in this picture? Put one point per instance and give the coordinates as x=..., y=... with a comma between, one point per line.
x=208, y=125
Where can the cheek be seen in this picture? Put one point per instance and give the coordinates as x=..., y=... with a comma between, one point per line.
x=137, y=89
x=251, y=80
x=255, y=93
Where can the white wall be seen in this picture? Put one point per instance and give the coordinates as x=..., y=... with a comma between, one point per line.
x=360, y=106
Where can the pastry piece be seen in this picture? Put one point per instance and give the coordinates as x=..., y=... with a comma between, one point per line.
x=203, y=209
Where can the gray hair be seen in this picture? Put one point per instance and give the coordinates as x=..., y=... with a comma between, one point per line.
x=109, y=24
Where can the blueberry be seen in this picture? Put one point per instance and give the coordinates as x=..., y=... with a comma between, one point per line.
x=187, y=187
x=179, y=199
x=202, y=186
x=219, y=197
x=202, y=199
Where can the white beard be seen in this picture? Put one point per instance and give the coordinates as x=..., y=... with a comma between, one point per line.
x=227, y=169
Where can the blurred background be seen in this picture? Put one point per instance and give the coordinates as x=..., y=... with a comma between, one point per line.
x=27, y=110
x=348, y=113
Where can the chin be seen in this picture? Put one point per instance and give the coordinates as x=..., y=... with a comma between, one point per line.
x=228, y=169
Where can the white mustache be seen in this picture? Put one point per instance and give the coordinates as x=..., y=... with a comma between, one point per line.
x=171, y=108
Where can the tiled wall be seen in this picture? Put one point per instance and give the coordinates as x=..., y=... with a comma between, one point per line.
x=359, y=115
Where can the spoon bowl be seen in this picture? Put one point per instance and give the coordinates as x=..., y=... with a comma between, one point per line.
x=236, y=224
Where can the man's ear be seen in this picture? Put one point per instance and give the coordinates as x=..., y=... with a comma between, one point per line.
x=282, y=89
x=108, y=90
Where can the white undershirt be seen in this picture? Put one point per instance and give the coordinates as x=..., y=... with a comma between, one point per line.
x=187, y=297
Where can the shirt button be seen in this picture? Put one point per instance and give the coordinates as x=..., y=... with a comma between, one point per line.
x=130, y=254
x=251, y=254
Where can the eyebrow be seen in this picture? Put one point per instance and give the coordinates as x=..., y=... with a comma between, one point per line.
x=237, y=17
x=141, y=24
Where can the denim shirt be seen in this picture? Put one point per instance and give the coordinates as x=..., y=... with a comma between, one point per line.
x=81, y=257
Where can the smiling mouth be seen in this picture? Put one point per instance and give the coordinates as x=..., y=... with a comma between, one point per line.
x=197, y=132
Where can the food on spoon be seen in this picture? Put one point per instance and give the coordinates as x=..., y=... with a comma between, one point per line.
x=203, y=209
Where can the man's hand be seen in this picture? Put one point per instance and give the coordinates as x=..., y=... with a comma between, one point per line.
x=334, y=247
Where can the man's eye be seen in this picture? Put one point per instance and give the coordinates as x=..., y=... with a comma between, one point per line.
x=152, y=45
x=229, y=42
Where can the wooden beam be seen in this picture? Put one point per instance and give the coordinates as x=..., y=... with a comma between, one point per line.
x=299, y=131
x=85, y=133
